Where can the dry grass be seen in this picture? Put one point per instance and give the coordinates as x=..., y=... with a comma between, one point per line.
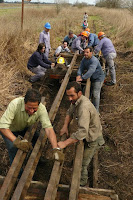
x=17, y=46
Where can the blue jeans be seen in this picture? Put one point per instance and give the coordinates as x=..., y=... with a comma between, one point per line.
x=95, y=93
x=13, y=150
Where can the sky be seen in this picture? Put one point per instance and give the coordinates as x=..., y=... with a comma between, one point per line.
x=52, y=1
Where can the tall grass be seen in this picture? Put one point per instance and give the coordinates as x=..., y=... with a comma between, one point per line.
x=16, y=46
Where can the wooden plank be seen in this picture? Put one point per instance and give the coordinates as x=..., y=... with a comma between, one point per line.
x=55, y=177
x=74, y=190
x=78, y=160
x=38, y=189
x=95, y=170
x=15, y=168
x=92, y=197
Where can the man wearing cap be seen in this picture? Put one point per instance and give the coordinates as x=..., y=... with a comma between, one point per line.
x=69, y=38
x=80, y=42
x=45, y=38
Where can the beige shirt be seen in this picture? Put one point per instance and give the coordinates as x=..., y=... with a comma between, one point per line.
x=89, y=125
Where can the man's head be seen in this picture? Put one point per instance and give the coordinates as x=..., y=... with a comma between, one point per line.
x=32, y=100
x=47, y=27
x=88, y=52
x=65, y=44
x=41, y=48
x=70, y=34
x=84, y=35
x=101, y=35
x=73, y=91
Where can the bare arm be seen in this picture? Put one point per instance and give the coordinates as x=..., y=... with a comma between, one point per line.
x=65, y=126
x=51, y=136
x=8, y=134
x=69, y=141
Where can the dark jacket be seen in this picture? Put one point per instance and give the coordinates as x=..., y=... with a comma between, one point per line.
x=38, y=58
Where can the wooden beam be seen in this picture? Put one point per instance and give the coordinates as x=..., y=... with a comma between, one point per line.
x=57, y=169
x=74, y=190
x=38, y=189
x=95, y=170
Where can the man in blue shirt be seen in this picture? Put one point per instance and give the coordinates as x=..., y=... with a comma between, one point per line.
x=69, y=38
x=92, y=40
x=38, y=63
x=94, y=72
x=109, y=53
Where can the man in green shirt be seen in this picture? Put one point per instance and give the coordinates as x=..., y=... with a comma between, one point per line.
x=21, y=113
x=89, y=126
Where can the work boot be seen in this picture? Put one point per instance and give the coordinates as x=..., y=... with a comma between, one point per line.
x=110, y=83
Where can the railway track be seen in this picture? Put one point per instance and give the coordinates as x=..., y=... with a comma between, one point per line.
x=24, y=188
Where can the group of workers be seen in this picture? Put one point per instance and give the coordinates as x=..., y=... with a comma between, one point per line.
x=23, y=112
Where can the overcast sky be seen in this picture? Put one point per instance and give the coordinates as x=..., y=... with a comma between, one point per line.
x=52, y=1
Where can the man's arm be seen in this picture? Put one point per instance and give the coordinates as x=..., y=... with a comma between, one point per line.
x=91, y=70
x=41, y=63
x=8, y=134
x=41, y=38
x=51, y=136
x=65, y=126
x=64, y=144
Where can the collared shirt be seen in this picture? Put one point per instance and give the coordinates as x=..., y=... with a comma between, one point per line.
x=89, y=125
x=61, y=49
x=94, y=69
x=79, y=44
x=69, y=40
x=106, y=46
x=15, y=117
x=45, y=38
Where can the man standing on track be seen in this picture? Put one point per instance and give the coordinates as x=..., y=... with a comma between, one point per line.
x=94, y=72
x=45, y=38
x=21, y=113
x=109, y=53
x=89, y=126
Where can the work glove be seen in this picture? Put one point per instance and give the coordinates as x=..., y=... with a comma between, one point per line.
x=22, y=144
x=58, y=154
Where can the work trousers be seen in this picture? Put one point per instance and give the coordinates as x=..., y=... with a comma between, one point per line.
x=95, y=93
x=89, y=150
x=12, y=150
x=39, y=71
x=46, y=52
x=110, y=64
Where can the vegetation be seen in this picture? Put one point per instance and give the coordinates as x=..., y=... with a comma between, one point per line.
x=16, y=47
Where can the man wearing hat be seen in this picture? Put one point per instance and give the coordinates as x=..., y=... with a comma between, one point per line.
x=45, y=38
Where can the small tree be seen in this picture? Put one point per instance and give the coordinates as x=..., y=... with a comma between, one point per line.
x=1, y=1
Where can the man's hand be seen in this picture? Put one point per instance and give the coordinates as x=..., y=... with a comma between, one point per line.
x=61, y=144
x=78, y=79
x=64, y=130
x=58, y=155
x=22, y=144
x=52, y=65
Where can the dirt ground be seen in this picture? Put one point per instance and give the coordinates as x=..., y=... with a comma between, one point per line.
x=115, y=157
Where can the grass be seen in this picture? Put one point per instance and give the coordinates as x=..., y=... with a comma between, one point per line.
x=16, y=46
